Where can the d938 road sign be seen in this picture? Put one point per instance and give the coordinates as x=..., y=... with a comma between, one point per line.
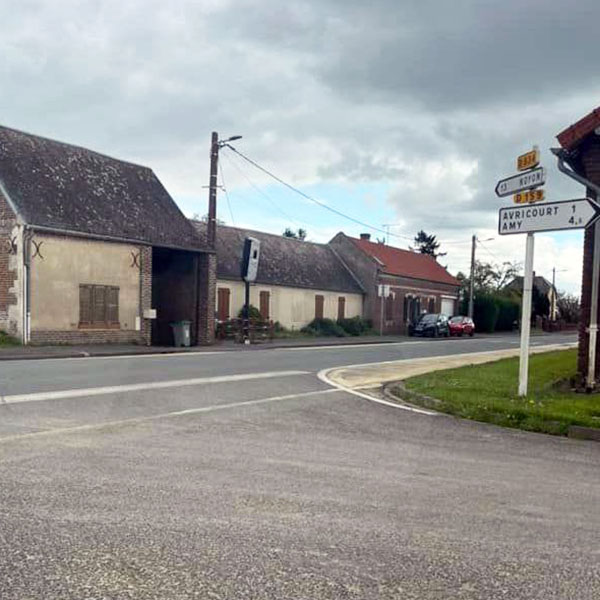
x=551, y=216
x=520, y=182
x=528, y=160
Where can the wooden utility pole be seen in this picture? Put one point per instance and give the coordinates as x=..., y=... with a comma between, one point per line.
x=472, y=278
x=211, y=226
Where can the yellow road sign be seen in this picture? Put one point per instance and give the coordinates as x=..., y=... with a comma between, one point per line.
x=529, y=197
x=528, y=160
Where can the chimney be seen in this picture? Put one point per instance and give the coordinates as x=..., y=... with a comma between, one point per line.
x=365, y=236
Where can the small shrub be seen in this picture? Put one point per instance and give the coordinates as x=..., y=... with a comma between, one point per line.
x=253, y=314
x=354, y=326
x=324, y=327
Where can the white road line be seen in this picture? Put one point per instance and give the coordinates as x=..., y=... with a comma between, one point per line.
x=136, y=387
x=177, y=413
x=322, y=375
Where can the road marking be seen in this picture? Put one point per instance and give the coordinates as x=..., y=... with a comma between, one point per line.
x=137, y=387
x=86, y=356
x=177, y=413
x=322, y=375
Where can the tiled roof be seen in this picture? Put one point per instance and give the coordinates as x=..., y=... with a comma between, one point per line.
x=283, y=261
x=406, y=263
x=65, y=187
x=572, y=136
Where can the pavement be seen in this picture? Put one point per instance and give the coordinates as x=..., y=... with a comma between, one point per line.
x=243, y=475
x=87, y=350
x=32, y=352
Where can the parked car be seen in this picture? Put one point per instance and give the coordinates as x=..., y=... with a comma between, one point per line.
x=461, y=326
x=432, y=325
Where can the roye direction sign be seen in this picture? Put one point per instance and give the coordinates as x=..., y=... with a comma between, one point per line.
x=520, y=182
x=551, y=216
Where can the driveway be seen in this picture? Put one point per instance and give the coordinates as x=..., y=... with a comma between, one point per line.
x=242, y=475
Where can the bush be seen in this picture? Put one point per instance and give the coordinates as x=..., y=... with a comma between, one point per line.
x=508, y=313
x=355, y=326
x=485, y=312
x=324, y=327
x=253, y=313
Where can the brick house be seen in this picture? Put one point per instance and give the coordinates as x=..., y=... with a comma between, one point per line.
x=90, y=244
x=417, y=282
x=581, y=151
x=296, y=282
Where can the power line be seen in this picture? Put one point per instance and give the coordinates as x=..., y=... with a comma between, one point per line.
x=264, y=194
x=307, y=197
x=226, y=192
x=489, y=251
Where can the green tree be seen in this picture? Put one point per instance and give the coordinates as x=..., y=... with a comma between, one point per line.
x=427, y=244
x=297, y=235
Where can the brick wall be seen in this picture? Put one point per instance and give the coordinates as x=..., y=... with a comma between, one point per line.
x=590, y=168
x=207, y=291
x=146, y=292
x=402, y=287
x=8, y=271
x=87, y=336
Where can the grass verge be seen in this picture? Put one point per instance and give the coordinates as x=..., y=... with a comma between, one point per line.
x=488, y=393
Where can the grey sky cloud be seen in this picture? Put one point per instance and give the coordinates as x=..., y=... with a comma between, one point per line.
x=433, y=98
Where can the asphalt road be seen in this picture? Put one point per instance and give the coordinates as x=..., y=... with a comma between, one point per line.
x=241, y=475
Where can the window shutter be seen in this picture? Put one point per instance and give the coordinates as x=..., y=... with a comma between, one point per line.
x=341, y=307
x=223, y=304
x=265, y=298
x=319, y=300
x=99, y=304
x=112, y=305
x=85, y=304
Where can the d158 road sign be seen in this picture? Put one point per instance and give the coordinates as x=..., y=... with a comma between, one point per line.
x=528, y=197
x=520, y=182
x=551, y=216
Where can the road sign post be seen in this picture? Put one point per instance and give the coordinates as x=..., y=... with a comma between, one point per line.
x=526, y=316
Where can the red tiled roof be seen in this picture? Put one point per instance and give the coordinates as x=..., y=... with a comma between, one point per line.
x=406, y=263
x=573, y=135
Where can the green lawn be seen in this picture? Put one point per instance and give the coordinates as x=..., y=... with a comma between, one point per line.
x=489, y=393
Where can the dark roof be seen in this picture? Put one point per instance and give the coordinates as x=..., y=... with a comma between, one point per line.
x=540, y=283
x=405, y=263
x=59, y=186
x=573, y=135
x=283, y=261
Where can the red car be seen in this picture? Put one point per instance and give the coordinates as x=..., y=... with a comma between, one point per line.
x=461, y=326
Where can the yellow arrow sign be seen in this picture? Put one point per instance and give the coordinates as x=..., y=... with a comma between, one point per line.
x=528, y=160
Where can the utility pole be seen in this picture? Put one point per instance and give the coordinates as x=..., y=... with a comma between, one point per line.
x=211, y=226
x=472, y=278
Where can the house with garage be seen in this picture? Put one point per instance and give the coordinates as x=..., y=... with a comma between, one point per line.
x=297, y=281
x=399, y=284
x=94, y=249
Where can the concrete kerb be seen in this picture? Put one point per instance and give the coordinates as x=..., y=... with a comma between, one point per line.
x=357, y=379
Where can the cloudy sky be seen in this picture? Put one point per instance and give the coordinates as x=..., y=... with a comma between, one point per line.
x=402, y=112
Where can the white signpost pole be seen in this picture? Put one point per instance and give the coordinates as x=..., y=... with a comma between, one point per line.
x=526, y=316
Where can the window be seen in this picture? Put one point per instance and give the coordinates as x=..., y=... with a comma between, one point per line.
x=431, y=307
x=98, y=306
x=341, y=307
x=223, y=295
x=389, y=308
x=264, y=299
x=319, y=301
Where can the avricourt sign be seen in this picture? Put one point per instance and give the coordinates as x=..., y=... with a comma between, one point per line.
x=550, y=216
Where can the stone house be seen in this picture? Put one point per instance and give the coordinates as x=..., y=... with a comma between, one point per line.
x=297, y=280
x=94, y=249
x=417, y=282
